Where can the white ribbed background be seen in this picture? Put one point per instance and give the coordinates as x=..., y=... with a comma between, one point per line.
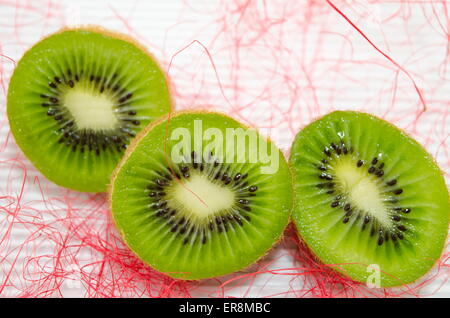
x=414, y=37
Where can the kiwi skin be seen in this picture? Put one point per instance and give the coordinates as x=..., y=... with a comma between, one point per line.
x=130, y=150
x=90, y=186
x=388, y=281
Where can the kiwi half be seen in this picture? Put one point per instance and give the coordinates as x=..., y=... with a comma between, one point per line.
x=75, y=100
x=368, y=194
x=197, y=211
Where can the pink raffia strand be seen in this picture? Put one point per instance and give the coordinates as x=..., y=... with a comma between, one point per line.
x=274, y=65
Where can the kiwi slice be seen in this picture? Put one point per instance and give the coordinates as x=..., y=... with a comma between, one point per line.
x=368, y=194
x=205, y=208
x=76, y=99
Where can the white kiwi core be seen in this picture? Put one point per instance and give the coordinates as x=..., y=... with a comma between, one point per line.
x=90, y=109
x=362, y=190
x=201, y=197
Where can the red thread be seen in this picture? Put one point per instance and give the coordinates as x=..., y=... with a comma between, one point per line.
x=273, y=65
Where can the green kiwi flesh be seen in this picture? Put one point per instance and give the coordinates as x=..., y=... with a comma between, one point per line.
x=198, y=216
x=77, y=98
x=368, y=194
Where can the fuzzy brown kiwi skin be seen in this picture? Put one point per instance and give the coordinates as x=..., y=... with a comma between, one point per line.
x=130, y=150
x=291, y=166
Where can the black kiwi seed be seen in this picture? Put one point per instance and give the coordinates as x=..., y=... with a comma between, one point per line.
x=398, y=191
x=122, y=99
x=334, y=204
x=359, y=163
x=374, y=161
x=407, y=210
x=253, y=188
x=325, y=176
x=184, y=169
x=238, y=220
x=392, y=182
